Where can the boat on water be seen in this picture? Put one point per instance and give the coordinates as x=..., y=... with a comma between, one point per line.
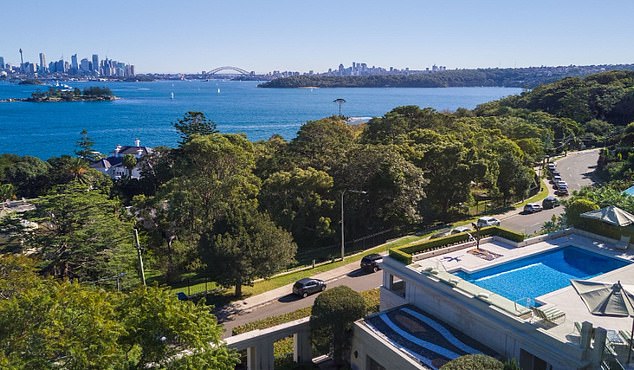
x=61, y=87
x=172, y=96
x=218, y=90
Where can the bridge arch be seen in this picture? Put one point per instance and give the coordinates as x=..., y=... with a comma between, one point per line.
x=228, y=68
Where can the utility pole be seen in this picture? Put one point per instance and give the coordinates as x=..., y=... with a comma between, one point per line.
x=138, y=252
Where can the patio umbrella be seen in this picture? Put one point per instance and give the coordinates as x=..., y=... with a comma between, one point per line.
x=611, y=215
x=607, y=299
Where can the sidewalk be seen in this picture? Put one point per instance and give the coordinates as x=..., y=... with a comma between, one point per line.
x=249, y=304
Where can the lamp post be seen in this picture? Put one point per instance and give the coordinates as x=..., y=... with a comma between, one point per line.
x=343, y=241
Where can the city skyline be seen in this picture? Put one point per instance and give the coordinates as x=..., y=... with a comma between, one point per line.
x=170, y=37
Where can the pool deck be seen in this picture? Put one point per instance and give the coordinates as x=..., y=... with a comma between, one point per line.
x=566, y=299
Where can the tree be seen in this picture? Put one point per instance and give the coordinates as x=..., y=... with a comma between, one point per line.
x=129, y=162
x=332, y=318
x=298, y=201
x=576, y=207
x=83, y=235
x=194, y=123
x=85, y=149
x=27, y=174
x=474, y=362
x=243, y=246
x=51, y=324
x=160, y=328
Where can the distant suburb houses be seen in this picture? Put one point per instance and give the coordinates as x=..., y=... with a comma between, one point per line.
x=113, y=165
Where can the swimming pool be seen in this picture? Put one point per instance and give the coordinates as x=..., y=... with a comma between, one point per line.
x=536, y=275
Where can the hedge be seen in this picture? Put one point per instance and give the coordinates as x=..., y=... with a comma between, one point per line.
x=404, y=254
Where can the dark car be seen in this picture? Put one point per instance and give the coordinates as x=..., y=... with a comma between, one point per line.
x=307, y=286
x=550, y=202
x=371, y=262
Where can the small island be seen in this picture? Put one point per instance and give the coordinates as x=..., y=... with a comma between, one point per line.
x=67, y=94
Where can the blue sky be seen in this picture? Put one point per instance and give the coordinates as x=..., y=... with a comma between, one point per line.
x=195, y=35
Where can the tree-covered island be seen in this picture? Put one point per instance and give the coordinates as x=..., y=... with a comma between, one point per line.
x=53, y=94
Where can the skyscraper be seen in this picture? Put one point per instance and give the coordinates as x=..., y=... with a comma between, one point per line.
x=95, y=63
x=74, y=66
x=42, y=62
x=2, y=63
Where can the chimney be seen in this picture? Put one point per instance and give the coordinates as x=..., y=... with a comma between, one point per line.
x=117, y=150
x=137, y=142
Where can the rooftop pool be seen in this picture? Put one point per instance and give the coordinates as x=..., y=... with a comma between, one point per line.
x=542, y=273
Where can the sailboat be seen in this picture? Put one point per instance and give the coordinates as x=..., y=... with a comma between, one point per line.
x=172, y=96
x=218, y=90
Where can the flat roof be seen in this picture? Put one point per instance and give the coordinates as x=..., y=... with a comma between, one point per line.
x=566, y=299
x=423, y=337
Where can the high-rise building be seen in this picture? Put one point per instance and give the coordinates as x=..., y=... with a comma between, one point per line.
x=42, y=63
x=95, y=63
x=85, y=66
x=2, y=63
x=74, y=66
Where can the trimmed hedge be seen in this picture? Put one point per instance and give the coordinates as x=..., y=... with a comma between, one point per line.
x=404, y=254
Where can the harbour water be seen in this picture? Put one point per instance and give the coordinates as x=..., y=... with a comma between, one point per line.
x=147, y=110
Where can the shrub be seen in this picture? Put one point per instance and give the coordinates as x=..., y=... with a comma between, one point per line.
x=474, y=362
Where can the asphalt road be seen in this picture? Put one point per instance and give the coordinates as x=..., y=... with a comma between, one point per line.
x=576, y=169
x=357, y=280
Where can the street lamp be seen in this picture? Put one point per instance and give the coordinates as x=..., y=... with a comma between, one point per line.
x=343, y=242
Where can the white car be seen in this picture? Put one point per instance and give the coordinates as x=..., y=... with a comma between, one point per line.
x=532, y=208
x=460, y=229
x=488, y=221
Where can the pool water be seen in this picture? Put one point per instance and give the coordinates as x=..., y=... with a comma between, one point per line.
x=533, y=276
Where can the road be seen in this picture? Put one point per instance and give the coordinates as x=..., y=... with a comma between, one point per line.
x=355, y=279
x=575, y=169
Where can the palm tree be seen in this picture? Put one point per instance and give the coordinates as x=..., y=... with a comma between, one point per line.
x=340, y=102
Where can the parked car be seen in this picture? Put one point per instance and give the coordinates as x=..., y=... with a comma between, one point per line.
x=551, y=166
x=555, y=179
x=307, y=286
x=532, y=208
x=488, y=221
x=562, y=190
x=550, y=202
x=561, y=184
x=371, y=262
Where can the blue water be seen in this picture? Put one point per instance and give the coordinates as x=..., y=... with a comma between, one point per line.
x=543, y=273
x=147, y=112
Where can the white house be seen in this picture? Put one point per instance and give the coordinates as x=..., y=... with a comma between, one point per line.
x=113, y=165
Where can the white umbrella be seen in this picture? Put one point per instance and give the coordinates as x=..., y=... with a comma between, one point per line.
x=611, y=215
x=607, y=299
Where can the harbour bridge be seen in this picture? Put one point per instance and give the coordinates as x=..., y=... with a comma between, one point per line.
x=228, y=68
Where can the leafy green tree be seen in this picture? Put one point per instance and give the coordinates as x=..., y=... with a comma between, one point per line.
x=62, y=326
x=394, y=187
x=331, y=320
x=51, y=324
x=160, y=328
x=194, y=123
x=298, y=201
x=27, y=174
x=7, y=192
x=244, y=246
x=576, y=207
x=129, y=162
x=474, y=362
x=321, y=144
x=83, y=235
x=211, y=173
x=85, y=148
